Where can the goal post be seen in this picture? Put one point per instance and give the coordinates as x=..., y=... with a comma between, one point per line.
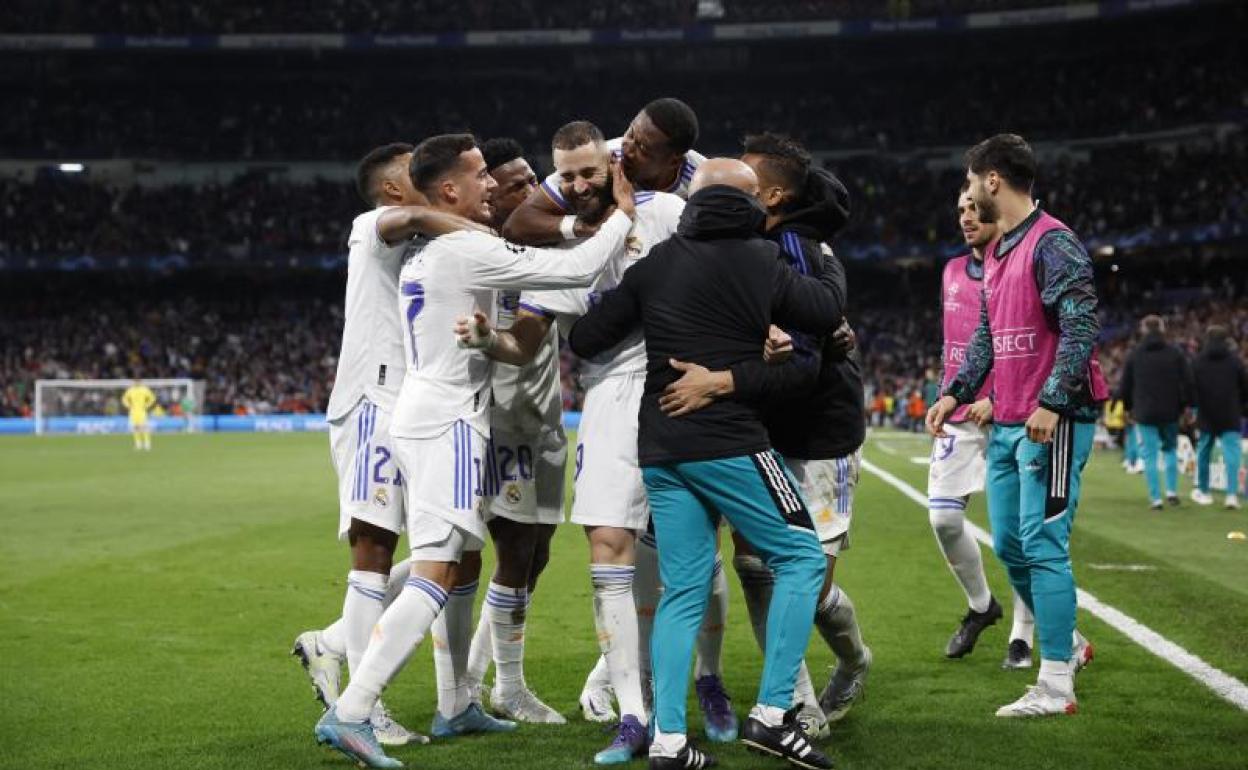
x=94, y=406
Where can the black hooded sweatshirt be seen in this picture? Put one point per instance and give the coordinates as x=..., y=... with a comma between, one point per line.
x=813, y=404
x=1221, y=388
x=1156, y=382
x=707, y=295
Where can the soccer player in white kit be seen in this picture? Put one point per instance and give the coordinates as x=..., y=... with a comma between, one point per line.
x=610, y=500
x=530, y=452
x=440, y=435
x=370, y=371
x=656, y=153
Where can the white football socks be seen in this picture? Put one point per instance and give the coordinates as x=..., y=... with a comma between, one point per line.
x=1024, y=623
x=334, y=638
x=600, y=676
x=361, y=610
x=667, y=744
x=452, y=635
x=1058, y=677
x=507, y=608
x=615, y=616
x=948, y=519
x=481, y=651
x=771, y=716
x=647, y=590
x=399, y=630
x=399, y=574
x=710, y=642
x=838, y=625
x=757, y=582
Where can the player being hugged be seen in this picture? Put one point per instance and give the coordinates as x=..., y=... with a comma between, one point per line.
x=610, y=499
x=440, y=430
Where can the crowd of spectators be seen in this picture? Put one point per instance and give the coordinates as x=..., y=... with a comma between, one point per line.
x=260, y=344
x=394, y=16
x=268, y=341
x=316, y=110
x=900, y=207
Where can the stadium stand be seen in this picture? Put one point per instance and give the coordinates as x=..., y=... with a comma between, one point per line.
x=430, y=15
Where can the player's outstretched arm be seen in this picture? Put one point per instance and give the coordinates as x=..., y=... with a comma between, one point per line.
x=402, y=223
x=493, y=263
x=516, y=346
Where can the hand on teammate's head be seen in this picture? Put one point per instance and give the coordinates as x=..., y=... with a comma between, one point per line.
x=622, y=190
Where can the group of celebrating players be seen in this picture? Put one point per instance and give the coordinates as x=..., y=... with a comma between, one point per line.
x=721, y=384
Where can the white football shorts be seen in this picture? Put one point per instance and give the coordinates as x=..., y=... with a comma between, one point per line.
x=448, y=480
x=530, y=474
x=609, y=491
x=828, y=487
x=959, y=461
x=370, y=486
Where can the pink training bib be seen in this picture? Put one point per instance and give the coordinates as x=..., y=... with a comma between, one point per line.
x=1024, y=343
x=960, y=302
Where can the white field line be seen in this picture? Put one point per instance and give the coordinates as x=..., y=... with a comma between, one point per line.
x=1223, y=684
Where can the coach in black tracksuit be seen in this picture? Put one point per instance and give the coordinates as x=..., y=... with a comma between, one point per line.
x=1156, y=388
x=1221, y=396
x=707, y=296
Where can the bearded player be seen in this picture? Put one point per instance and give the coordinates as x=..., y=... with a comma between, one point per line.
x=1036, y=334
x=610, y=500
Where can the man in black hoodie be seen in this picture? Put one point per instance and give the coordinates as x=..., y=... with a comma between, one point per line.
x=813, y=409
x=1156, y=388
x=708, y=295
x=1221, y=395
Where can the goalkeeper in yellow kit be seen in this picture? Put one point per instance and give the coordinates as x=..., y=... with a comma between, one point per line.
x=139, y=398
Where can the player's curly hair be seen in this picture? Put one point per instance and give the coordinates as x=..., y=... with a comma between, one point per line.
x=500, y=150
x=676, y=120
x=366, y=173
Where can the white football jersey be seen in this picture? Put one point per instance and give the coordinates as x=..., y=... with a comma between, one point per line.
x=530, y=396
x=680, y=187
x=658, y=215
x=451, y=277
x=370, y=363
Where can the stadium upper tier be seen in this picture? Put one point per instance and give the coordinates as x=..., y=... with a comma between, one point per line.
x=1124, y=195
x=1078, y=81
x=394, y=16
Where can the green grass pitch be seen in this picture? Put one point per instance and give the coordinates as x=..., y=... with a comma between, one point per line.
x=148, y=604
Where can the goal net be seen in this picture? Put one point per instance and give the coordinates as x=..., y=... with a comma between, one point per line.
x=94, y=406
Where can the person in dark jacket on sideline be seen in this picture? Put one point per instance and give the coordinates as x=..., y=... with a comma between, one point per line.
x=1156, y=389
x=708, y=296
x=1221, y=396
